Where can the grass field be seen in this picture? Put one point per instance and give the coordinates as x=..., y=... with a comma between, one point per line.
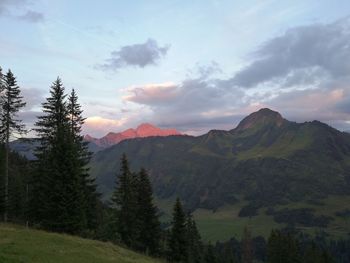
x=225, y=222
x=20, y=245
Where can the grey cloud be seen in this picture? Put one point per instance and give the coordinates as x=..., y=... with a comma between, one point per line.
x=197, y=103
x=322, y=47
x=8, y=6
x=137, y=55
x=32, y=16
x=33, y=97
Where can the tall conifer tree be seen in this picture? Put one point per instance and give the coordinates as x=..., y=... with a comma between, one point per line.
x=125, y=204
x=58, y=197
x=247, y=247
x=11, y=104
x=177, y=241
x=194, y=243
x=210, y=256
x=82, y=158
x=148, y=224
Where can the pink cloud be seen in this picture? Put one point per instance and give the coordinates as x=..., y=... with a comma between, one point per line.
x=151, y=94
x=98, y=126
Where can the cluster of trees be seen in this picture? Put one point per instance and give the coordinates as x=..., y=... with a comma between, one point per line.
x=55, y=192
x=137, y=224
x=136, y=220
x=283, y=246
x=64, y=196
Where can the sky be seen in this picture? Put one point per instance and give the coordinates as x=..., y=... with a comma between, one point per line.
x=191, y=65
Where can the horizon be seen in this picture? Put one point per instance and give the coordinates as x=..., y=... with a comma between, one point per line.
x=214, y=64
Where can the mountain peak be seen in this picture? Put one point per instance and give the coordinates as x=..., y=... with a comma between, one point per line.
x=146, y=125
x=143, y=130
x=260, y=118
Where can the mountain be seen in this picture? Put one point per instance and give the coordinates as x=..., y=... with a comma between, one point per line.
x=25, y=147
x=142, y=131
x=265, y=150
x=265, y=162
x=20, y=244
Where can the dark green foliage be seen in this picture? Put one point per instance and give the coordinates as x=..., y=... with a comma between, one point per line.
x=136, y=219
x=249, y=210
x=148, y=225
x=247, y=247
x=302, y=216
x=106, y=227
x=11, y=103
x=17, y=195
x=283, y=248
x=343, y=213
x=259, y=248
x=313, y=254
x=177, y=240
x=194, y=243
x=125, y=202
x=82, y=157
x=210, y=256
x=61, y=189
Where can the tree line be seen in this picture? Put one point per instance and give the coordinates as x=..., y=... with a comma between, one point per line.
x=55, y=192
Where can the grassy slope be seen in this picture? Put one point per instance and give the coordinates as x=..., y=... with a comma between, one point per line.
x=225, y=222
x=18, y=244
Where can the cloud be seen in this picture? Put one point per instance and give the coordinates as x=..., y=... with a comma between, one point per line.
x=194, y=104
x=33, y=97
x=32, y=16
x=99, y=125
x=152, y=94
x=8, y=6
x=304, y=74
x=302, y=54
x=137, y=55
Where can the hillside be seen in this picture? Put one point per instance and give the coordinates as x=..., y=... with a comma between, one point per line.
x=265, y=157
x=265, y=163
x=18, y=244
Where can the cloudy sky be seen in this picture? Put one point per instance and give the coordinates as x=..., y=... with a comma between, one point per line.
x=191, y=65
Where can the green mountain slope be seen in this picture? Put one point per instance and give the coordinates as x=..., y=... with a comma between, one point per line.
x=18, y=244
x=266, y=160
x=249, y=175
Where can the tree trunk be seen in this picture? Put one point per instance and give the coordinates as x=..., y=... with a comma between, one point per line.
x=7, y=149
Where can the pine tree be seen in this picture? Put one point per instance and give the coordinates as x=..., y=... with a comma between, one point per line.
x=148, y=224
x=282, y=248
x=11, y=104
x=210, y=256
x=82, y=158
x=125, y=202
x=177, y=242
x=314, y=254
x=194, y=243
x=247, y=250
x=58, y=200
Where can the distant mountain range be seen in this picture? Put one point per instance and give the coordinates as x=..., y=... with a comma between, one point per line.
x=265, y=160
x=142, y=131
